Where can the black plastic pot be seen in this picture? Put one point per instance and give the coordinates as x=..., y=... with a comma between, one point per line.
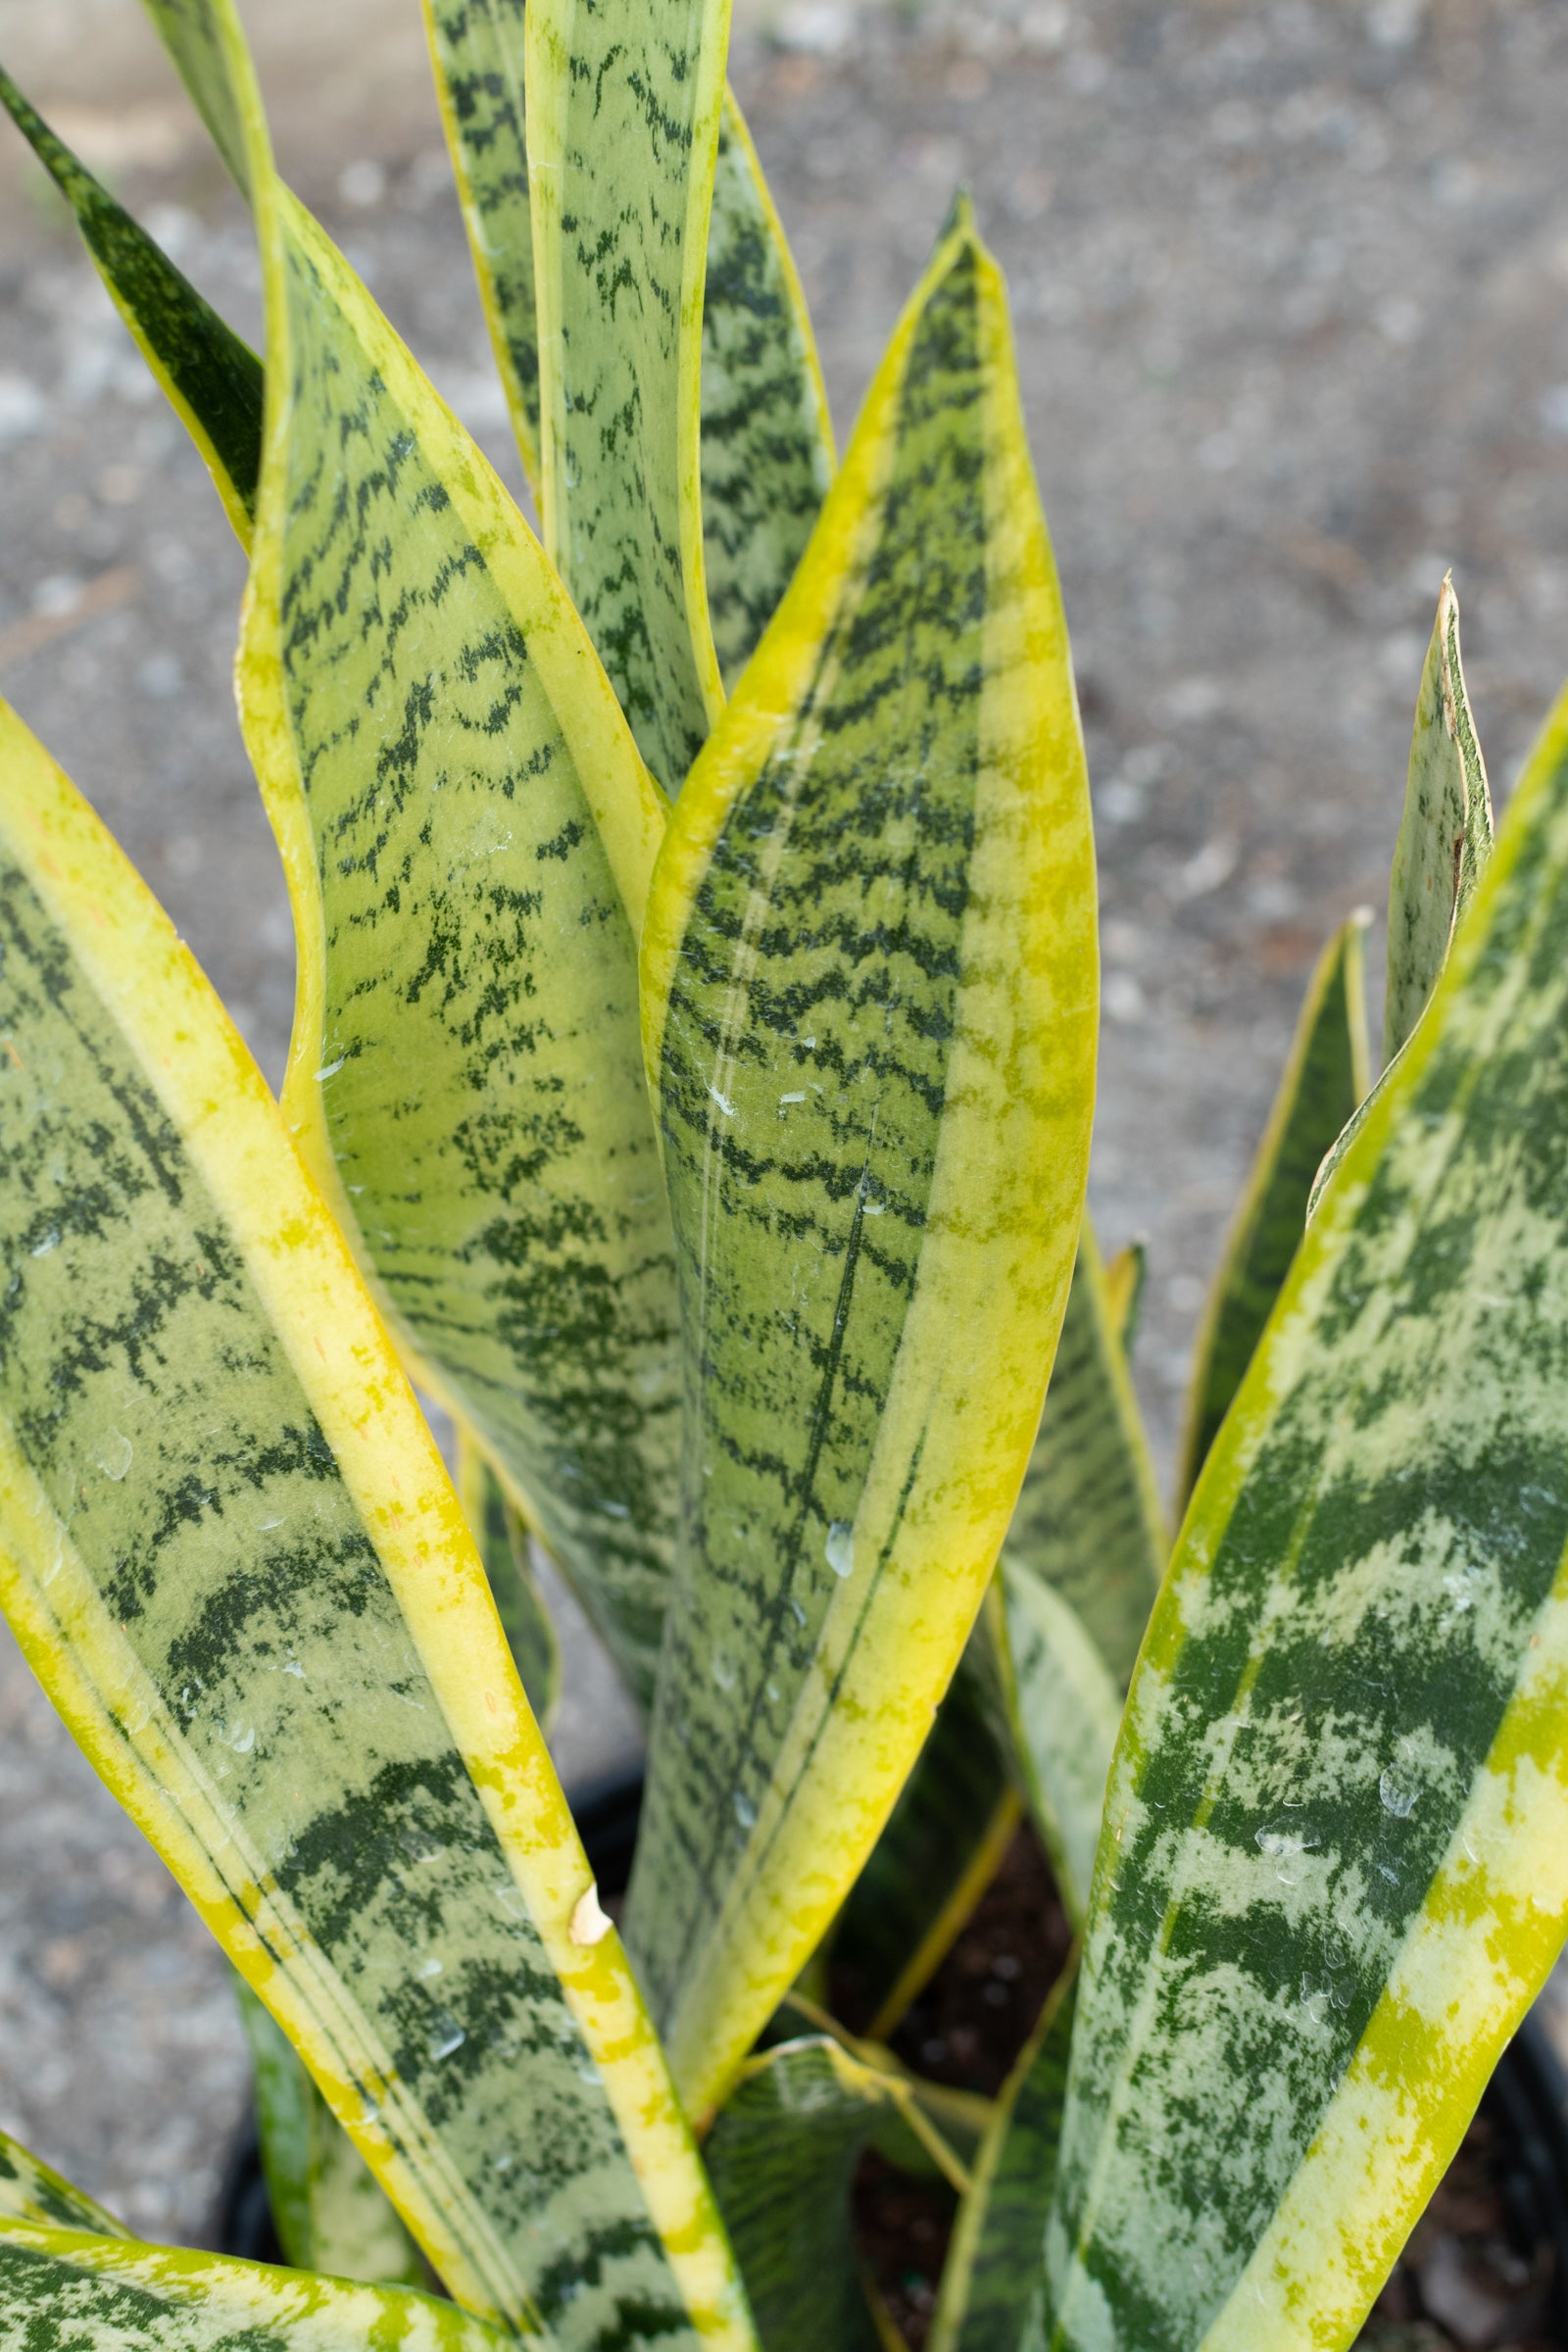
x=605, y=1814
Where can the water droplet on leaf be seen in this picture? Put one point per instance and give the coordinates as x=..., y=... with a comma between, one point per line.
x=115, y=1455
x=839, y=1547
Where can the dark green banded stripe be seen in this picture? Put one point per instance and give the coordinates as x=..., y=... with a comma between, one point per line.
x=145, y=1389
x=1335, y=1868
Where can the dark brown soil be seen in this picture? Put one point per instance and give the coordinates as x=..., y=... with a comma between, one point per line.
x=1467, y=2282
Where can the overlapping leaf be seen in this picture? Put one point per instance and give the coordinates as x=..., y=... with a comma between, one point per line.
x=1088, y=1520
x=468, y=834
x=502, y=1542
x=1334, y=1869
x=992, y=2295
x=1325, y=1079
x=954, y=1821
x=31, y=2192
x=327, y=2210
x=64, y=2292
x=869, y=985
x=231, y=1555
x=622, y=132
x=212, y=378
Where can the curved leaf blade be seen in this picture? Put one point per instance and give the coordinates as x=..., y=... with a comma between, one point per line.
x=230, y=1550
x=868, y=985
x=60, y=2292
x=468, y=834
x=767, y=436
x=941, y=1848
x=1324, y=1080
x=782, y=2156
x=1125, y=1275
x=1088, y=1519
x=503, y=1546
x=1335, y=1868
x=329, y=2212
x=992, y=2295
x=622, y=130
x=1446, y=831
x=212, y=379
x=1062, y=1709
x=31, y=2192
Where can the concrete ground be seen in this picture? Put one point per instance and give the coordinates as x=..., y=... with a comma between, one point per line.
x=1291, y=291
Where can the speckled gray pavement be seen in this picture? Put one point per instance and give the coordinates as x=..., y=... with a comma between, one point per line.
x=1290, y=286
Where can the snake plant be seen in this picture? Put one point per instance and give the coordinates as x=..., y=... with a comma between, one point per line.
x=690, y=1088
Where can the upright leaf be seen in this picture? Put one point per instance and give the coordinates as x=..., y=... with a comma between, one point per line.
x=468, y=834
x=502, y=1542
x=327, y=2210
x=231, y=1555
x=61, y=2291
x=1335, y=1868
x=767, y=436
x=1125, y=1275
x=782, y=2156
x=31, y=2192
x=1444, y=833
x=477, y=47
x=1324, y=1080
x=1062, y=1708
x=991, y=2296
x=212, y=379
x=944, y=1842
x=869, y=987
x=1088, y=1519
x=623, y=110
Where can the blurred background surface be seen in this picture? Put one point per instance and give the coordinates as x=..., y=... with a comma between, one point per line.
x=1291, y=290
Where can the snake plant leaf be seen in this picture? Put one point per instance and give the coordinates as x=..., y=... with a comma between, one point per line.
x=1324, y=1080
x=476, y=48
x=231, y=1555
x=870, y=990
x=622, y=127
x=992, y=2294
x=467, y=835
x=212, y=381
x=1089, y=1519
x=503, y=1544
x=1335, y=1865
x=329, y=2212
x=782, y=2156
x=31, y=2192
x=1125, y=1275
x=944, y=1842
x=767, y=436
x=62, y=2290
x=1445, y=832
x=1062, y=1708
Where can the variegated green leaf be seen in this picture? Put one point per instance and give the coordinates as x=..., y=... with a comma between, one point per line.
x=1324, y=1078
x=327, y=2210
x=991, y=2296
x=1335, y=1867
x=767, y=436
x=212, y=381
x=229, y=1549
x=502, y=1542
x=468, y=834
x=477, y=47
x=1088, y=1519
x=1125, y=1275
x=1062, y=1708
x=944, y=1838
x=869, y=987
x=63, y=2291
x=1445, y=832
x=782, y=2156
x=622, y=124
x=31, y=2192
